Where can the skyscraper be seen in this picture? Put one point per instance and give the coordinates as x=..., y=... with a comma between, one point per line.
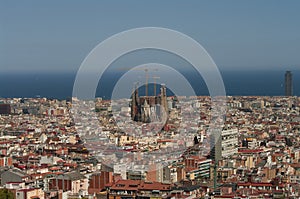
x=288, y=83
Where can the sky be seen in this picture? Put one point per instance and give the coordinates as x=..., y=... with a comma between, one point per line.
x=56, y=36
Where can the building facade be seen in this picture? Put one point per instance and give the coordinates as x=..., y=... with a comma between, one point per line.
x=149, y=108
x=229, y=142
x=224, y=144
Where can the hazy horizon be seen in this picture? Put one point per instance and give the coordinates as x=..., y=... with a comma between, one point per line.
x=56, y=36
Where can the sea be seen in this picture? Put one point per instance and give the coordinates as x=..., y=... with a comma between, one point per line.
x=60, y=85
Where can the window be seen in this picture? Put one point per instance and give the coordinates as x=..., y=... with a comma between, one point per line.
x=120, y=185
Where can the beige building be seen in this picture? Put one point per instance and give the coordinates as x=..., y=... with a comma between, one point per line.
x=30, y=194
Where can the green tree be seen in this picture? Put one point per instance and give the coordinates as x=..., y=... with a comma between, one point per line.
x=6, y=194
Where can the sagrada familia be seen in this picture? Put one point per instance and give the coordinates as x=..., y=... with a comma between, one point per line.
x=148, y=109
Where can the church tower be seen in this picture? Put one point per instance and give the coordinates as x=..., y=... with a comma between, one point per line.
x=135, y=105
x=163, y=100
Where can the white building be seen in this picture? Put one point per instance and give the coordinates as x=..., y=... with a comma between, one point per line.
x=229, y=142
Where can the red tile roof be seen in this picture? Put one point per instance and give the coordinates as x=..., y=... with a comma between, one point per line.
x=135, y=185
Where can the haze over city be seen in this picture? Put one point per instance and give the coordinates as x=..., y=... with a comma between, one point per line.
x=149, y=99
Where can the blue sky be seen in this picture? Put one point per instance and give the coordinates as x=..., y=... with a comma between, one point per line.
x=55, y=36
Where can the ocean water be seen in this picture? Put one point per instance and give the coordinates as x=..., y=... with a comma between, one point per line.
x=60, y=85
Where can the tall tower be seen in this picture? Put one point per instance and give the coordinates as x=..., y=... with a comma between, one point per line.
x=135, y=105
x=288, y=83
x=163, y=98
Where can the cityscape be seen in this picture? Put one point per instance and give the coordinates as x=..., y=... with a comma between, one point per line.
x=149, y=100
x=256, y=156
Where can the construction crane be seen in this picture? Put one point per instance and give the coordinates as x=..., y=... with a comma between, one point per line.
x=146, y=83
x=154, y=79
x=146, y=78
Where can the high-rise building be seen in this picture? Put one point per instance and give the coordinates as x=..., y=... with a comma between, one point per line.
x=288, y=83
x=229, y=142
x=224, y=144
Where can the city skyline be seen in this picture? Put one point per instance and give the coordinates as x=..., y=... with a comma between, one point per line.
x=139, y=100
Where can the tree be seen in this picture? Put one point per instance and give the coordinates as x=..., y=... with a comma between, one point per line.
x=6, y=194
